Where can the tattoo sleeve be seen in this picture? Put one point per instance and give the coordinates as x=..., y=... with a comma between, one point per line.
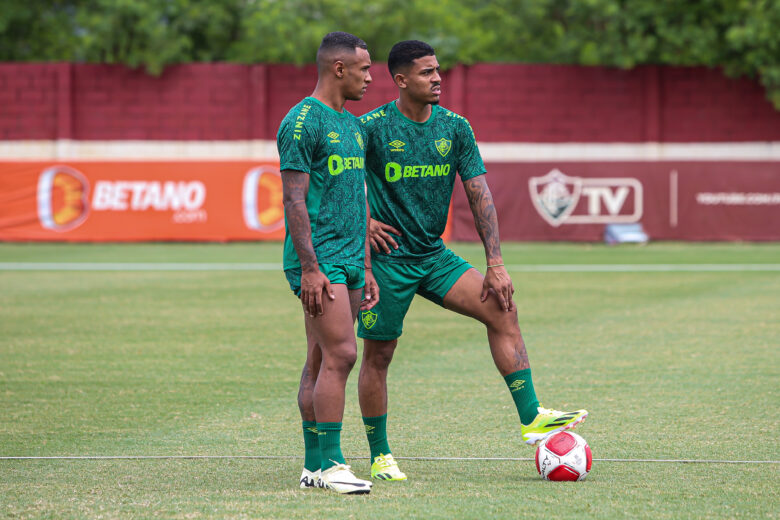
x=295, y=186
x=485, y=218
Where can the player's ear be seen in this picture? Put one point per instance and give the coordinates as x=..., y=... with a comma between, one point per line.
x=400, y=80
x=338, y=68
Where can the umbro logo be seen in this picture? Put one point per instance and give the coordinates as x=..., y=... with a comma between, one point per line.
x=334, y=137
x=370, y=429
x=517, y=385
x=397, y=145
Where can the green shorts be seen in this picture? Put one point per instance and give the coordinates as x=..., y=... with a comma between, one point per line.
x=352, y=276
x=398, y=283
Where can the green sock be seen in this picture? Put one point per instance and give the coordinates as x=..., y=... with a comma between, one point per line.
x=376, y=431
x=522, y=388
x=311, y=446
x=329, y=438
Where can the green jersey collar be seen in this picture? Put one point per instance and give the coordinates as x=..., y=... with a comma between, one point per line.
x=434, y=109
x=343, y=113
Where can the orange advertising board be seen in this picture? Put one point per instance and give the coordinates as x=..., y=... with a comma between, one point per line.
x=86, y=201
x=138, y=201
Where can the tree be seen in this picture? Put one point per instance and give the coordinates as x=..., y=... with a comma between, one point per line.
x=741, y=36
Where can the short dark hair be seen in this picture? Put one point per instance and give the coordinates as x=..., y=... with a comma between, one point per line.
x=339, y=41
x=404, y=53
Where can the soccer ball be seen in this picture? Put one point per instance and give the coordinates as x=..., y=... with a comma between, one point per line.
x=563, y=456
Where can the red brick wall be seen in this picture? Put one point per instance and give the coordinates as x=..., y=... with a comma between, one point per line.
x=553, y=103
x=29, y=101
x=505, y=103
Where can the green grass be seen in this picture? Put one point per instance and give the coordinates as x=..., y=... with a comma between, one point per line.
x=670, y=365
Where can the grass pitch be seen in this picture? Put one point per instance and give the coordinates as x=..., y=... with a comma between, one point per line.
x=671, y=365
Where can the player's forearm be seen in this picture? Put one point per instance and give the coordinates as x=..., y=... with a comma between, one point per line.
x=485, y=217
x=295, y=185
x=299, y=228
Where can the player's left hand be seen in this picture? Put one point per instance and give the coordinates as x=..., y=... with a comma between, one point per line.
x=381, y=236
x=497, y=279
x=370, y=292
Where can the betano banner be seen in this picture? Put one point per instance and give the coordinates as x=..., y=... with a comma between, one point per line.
x=242, y=200
x=139, y=201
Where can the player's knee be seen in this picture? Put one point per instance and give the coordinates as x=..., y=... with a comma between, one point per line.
x=379, y=355
x=345, y=357
x=503, y=321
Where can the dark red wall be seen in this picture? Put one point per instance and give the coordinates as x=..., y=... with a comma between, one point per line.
x=505, y=103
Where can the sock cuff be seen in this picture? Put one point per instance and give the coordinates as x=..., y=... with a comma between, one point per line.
x=309, y=424
x=328, y=426
x=520, y=374
x=378, y=418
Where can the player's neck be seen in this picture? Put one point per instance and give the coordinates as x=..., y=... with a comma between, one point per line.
x=418, y=112
x=329, y=97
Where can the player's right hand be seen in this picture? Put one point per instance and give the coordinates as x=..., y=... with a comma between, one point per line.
x=380, y=236
x=370, y=292
x=313, y=284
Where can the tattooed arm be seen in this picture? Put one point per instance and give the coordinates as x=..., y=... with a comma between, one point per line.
x=295, y=186
x=486, y=221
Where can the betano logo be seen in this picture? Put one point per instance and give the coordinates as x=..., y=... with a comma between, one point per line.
x=63, y=195
x=556, y=197
x=148, y=195
x=262, y=199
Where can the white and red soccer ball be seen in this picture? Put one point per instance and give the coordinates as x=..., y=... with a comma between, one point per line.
x=563, y=456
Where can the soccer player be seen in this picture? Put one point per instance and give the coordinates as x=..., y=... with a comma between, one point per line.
x=414, y=149
x=322, y=160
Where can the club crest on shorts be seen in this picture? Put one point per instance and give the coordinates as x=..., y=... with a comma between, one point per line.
x=555, y=195
x=443, y=146
x=368, y=318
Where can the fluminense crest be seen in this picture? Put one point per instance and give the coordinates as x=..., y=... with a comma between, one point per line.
x=443, y=146
x=368, y=318
x=555, y=195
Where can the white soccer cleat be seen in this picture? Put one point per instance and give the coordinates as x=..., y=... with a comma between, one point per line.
x=340, y=479
x=311, y=479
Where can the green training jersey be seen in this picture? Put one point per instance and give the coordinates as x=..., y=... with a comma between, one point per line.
x=410, y=173
x=330, y=147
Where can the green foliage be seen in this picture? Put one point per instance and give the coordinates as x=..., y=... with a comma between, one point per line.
x=741, y=36
x=37, y=30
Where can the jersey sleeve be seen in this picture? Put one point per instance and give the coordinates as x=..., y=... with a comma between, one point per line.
x=469, y=159
x=295, y=146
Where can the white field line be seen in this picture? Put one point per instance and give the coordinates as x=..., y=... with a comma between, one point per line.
x=221, y=266
x=278, y=457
